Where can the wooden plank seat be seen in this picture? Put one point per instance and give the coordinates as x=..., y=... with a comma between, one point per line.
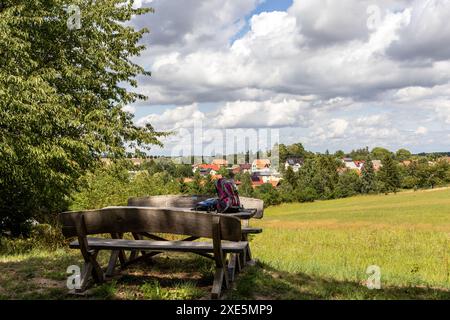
x=227, y=248
x=151, y=245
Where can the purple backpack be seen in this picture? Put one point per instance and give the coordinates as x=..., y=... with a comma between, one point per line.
x=228, y=196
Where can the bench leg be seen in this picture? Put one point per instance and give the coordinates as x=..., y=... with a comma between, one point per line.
x=86, y=277
x=248, y=254
x=122, y=256
x=243, y=258
x=135, y=253
x=91, y=271
x=220, y=279
x=112, y=263
x=234, y=266
x=97, y=272
x=221, y=275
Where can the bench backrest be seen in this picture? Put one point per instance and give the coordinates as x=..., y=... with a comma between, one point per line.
x=169, y=201
x=139, y=219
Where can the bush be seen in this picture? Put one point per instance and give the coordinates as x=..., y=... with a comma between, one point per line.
x=42, y=236
x=113, y=185
x=307, y=194
x=269, y=194
x=410, y=182
x=348, y=185
x=287, y=192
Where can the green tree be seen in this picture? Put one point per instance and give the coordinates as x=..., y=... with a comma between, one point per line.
x=360, y=154
x=326, y=176
x=269, y=194
x=348, y=185
x=339, y=154
x=246, y=188
x=379, y=153
x=403, y=154
x=290, y=177
x=296, y=150
x=389, y=174
x=209, y=186
x=224, y=172
x=287, y=192
x=368, y=177
x=196, y=186
x=62, y=94
x=183, y=171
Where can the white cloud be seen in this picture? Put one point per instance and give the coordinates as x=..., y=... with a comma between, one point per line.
x=421, y=130
x=428, y=30
x=337, y=128
x=172, y=119
x=254, y=114
x=317, y=61
x=273, y=58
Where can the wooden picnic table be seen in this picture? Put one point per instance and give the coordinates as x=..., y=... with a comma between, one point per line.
x=148, y=219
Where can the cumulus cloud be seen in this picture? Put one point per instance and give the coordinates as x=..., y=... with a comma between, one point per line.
x=173, y=119
x=273, y=113
x=193, y=23
x=428, y=29
x=275, y=57
x=317, y=66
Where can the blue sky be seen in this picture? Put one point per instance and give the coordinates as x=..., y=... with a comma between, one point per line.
x=330, y=74
x=264, y=6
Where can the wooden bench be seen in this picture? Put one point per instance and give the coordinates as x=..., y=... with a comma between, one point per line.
x=188, y=202
x=225, y=232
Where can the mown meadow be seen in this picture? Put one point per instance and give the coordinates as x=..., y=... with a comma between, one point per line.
x=317, y=250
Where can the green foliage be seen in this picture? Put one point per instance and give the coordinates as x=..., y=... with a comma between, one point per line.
x=113, y=185
x=196, y=186
x=307, y=194
x=368, y=177
x=403, y=154
x=224, y=172
x=389, y=175
x=42, y=236
x=269, y=194
x=287, y=192
x=325, y=177
x=349, y=184
x=422, y=174
x=61, y=97
x=360, y=154
x=246, y=188
x=295, y=150
x=339, y=154
x=291, y=177
x=209, y=186
x=379, y=153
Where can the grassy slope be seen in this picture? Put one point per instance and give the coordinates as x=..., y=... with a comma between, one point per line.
x=333, y=242
x=307, y=251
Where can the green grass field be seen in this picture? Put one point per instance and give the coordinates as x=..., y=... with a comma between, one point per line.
x=407, y=235
x=318, y=250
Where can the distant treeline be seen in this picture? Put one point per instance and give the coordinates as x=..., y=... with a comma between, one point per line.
x=322, y=176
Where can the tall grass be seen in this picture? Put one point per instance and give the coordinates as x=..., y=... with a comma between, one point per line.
x=406, y=235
